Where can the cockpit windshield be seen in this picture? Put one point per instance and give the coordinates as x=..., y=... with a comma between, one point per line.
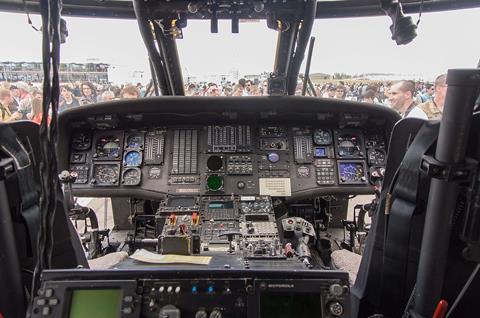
x=355, y=54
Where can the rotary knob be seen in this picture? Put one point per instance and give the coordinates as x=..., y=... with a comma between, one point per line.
x=336, y=290
x=335, y=308
x=201, y=313
x=216, y=314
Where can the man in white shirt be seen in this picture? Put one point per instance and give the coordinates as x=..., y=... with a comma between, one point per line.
x=401, y=99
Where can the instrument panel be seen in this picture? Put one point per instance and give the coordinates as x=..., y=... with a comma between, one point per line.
x=275, y=160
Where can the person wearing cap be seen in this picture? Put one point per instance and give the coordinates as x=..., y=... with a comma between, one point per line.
x=330, y=93
x=24, y=91
x=433, y=108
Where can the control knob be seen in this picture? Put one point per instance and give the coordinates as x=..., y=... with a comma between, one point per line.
x=216, y=314
x=201, y=313
x=335, y=308
x=336, y=290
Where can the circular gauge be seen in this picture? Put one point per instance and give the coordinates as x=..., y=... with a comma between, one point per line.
x=108, y=147
x=132, y=176
x=154, y=173
x=81, y=141
x=214, y=182
x=134, y=141
x=273, y=157
x=106, y=174
x=303, y=172
x=348, y=146
x=322, y=137
x=376, y=157
x=214, y=163
x=133, y=159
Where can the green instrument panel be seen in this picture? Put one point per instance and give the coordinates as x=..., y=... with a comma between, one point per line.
x=95, y=303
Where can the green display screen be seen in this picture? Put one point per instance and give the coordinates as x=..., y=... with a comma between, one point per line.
x=95, y=303
x=287, y=305
x=221, y=205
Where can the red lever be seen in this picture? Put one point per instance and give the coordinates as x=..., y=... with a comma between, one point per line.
x=441, y=309
x=173, y=218
x=194, y=217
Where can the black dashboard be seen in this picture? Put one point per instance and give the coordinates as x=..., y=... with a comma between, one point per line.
x=280, y=147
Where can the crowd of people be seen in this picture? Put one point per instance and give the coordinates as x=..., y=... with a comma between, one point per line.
x=22, y=101
x=408, y=98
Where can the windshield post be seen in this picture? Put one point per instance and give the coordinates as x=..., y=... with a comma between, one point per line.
x=303, y=36
x=154, y=55
x=169, y=55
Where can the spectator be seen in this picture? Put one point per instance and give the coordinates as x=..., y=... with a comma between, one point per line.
x=265, y=88
x=37, y=112
x=141, y=89
x=16, y=95
x=401, y=98
x=24, y=91
x=89, y=94
x=116, y=91
x=428, y=95
x=108, y=96
x=227, y=91
x=190, y=89
x=340, y=92
x=330, y=93
x=213, y=90
x=237, y=90
x=248, y=86
x=129, y=92
x=242, y=82
x=67, y=101
x=76, y=90
x=433, y=108
x=368, y=97
x=254, y=90
x=6, y=102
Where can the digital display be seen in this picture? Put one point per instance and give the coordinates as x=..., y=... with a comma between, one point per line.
x=320, y=152
x=221, y=205
x=287, y=305
x=256, y=218
x=351, y=172
x=95, y=303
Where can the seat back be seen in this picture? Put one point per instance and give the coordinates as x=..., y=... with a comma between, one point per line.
x=389, y=265
x=20, y=146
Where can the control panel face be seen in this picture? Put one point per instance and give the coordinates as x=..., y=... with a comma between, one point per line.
x=275, y=160
x=194, y=294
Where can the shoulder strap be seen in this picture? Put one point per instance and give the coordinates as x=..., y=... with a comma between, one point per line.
x=398, y=240
x=29, y=196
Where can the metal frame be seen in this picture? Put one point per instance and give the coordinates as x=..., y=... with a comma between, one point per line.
x=123, y=9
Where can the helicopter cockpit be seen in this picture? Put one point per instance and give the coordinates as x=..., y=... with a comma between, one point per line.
x=240, y=207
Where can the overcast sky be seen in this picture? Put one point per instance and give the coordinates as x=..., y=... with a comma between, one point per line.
x=357, y=45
